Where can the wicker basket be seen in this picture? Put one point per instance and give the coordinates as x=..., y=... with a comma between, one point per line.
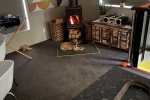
x=56, y=30
x=88, y=30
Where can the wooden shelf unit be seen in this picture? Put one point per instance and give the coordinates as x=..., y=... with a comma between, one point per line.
x=112, y=35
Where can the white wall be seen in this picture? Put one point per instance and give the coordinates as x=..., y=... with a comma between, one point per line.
x=38, y=20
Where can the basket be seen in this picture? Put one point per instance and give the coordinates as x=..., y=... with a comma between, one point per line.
x=57, y=29
x=88, y=30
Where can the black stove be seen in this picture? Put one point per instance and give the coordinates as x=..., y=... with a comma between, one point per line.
x=74, y=19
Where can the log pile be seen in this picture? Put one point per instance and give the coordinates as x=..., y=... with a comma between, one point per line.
x=74, y=34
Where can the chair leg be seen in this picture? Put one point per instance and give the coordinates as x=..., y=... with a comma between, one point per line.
x=15, y=82
x=10, y=93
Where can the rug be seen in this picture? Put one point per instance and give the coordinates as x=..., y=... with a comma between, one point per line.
x=89, y=49
x=107, y=87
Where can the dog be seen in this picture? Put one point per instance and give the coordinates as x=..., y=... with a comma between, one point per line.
x=70, y=46
x=66, y=46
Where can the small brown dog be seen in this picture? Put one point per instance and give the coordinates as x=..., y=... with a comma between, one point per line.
x=66, y=46
x=26, y=48
x=70, y=46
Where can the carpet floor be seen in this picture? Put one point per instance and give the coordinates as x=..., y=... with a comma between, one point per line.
x=47, y=77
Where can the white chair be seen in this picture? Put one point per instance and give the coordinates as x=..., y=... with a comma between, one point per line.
x=2, y=47
x=6, y=78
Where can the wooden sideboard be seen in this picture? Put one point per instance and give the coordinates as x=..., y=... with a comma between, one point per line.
x=112, y=35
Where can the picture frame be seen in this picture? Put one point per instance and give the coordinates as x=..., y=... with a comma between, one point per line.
x=37, y=5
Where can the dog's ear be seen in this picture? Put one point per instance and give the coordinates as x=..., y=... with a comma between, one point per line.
x=79, y=41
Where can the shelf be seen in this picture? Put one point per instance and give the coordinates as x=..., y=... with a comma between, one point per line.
x=117, y=36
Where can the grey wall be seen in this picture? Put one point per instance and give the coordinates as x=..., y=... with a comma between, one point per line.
x=89, y=9
x=38, y=21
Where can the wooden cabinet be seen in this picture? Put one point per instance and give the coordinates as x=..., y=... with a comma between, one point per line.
x=112, y=35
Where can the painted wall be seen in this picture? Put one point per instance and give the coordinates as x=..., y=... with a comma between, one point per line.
x=38, y=21
x=89, y=9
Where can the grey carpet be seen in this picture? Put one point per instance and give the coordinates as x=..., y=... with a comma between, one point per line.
x=107, y=87
x=47, y=77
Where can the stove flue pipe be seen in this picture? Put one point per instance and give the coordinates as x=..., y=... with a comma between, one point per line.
x=73, y=3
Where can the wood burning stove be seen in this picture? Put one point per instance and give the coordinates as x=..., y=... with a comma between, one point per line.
x=74, y=19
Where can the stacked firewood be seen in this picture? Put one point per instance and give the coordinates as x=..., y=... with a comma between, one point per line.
x=74, y=34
